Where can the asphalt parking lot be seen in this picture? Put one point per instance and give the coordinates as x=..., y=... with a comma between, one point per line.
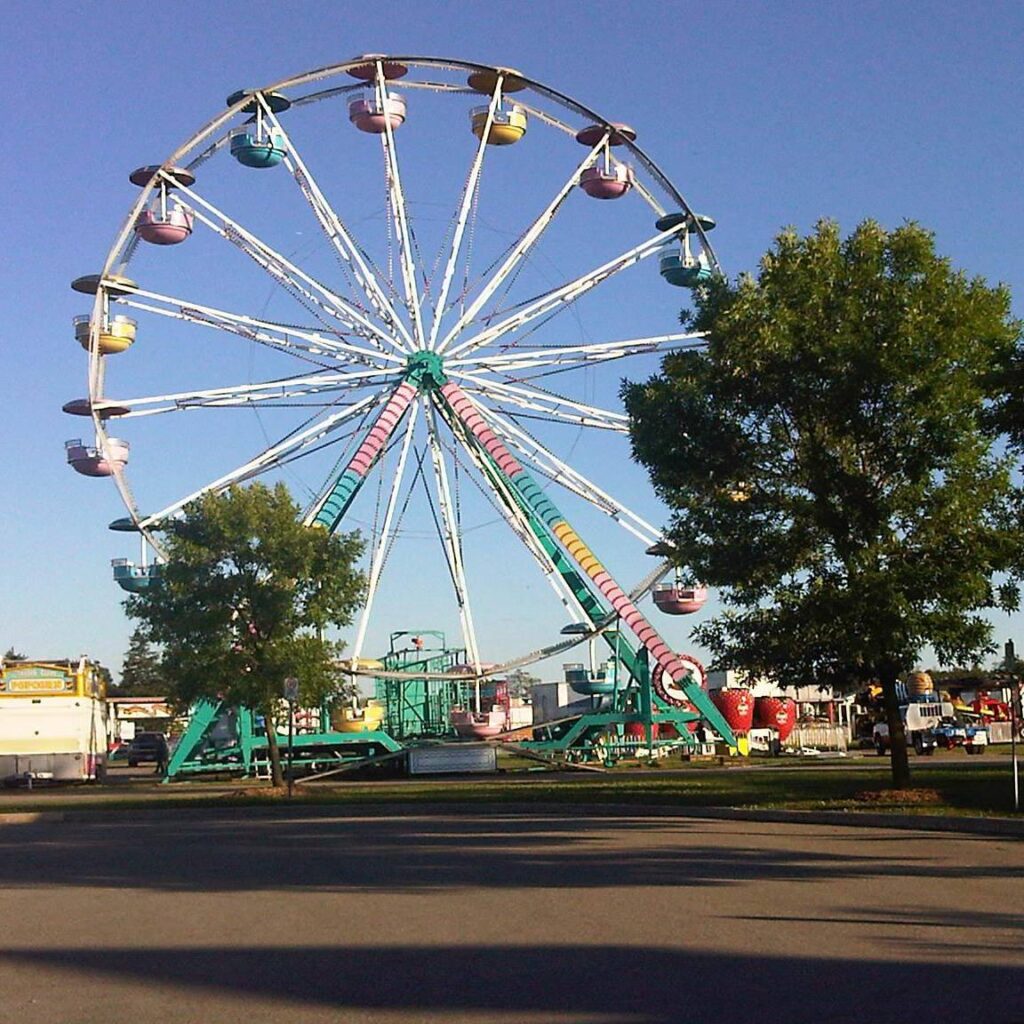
x=333, y=915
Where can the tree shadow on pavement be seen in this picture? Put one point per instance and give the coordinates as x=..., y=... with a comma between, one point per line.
x=917, y=931
x=340, y=854
x=638, y=985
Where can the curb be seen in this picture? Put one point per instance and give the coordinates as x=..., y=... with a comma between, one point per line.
x=1003, y=827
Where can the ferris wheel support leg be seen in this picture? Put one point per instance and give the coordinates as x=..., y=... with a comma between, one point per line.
x=579, y=586
x=580, y=590
x=381, y=550
x=582, y=594
x=564, y=474
x=201, y=717
x=520, y=521
x=537, y=537
x=575, y=591
x=571, y=542
x=329, y=511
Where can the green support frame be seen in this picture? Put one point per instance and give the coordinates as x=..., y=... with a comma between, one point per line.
x=418, y=708
x=220, y=738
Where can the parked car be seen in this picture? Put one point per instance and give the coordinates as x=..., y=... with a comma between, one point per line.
x=147, y=746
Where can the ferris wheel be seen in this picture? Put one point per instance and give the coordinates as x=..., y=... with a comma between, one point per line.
x=395, y=267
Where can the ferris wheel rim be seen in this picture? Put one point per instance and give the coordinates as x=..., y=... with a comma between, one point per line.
x=331, y=70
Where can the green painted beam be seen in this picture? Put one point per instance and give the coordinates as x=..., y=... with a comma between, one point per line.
x=202, y=716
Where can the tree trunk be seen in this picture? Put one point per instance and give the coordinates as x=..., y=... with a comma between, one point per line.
x=276, y=775
x=897, y=734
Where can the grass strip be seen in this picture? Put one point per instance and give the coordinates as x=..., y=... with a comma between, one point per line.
x=979, y=791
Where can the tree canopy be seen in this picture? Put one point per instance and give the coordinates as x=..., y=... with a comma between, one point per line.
x=830, y=457
x=140, y=670
x=521, y=683
x=243, y=601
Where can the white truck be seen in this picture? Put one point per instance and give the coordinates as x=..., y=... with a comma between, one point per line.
x=931, y=723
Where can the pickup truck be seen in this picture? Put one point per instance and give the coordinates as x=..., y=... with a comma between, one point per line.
x=930, y=724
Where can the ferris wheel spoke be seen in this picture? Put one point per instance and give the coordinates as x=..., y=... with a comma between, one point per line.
x=452, y=539
x=203, y=155
x=502, y=498
x=338, y=235
x=572, y=356
x=127, y=254
x=521, y=249
x=284, y=389
x=565, y=294
x=306, y=289
x=384, y=540
x=645, y=193
x=269, y=457
x=311, y=343
x=468, y=194
x=399, y=214
x=571, y=479
x=555, y=406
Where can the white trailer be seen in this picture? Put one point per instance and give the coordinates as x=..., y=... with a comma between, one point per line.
x=53, y=724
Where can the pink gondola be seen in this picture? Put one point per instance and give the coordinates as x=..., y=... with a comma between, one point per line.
x=606, y=183
x=373, y=115
x=91, y=461
x=478, y=725
x=160, y=229
x=676, y=599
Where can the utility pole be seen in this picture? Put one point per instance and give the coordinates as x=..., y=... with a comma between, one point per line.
x=1015, y=717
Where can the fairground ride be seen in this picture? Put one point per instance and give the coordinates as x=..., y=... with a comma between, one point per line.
x=384, y=352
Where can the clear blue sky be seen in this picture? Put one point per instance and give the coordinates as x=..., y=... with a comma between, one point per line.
x=765, y=115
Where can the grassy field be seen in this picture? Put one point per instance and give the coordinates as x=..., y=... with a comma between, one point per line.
x=949, y=788
x=946, y=789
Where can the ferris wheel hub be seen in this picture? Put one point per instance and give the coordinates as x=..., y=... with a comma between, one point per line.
x=425, y=370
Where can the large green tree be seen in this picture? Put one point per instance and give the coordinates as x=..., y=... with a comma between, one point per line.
x=243, y=602
x=830, y=459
